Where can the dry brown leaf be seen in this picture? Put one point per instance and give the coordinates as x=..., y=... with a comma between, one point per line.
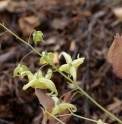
x=7, y=56
x=67, y=97
x=50, y=41
x=27, y=24
x=115, y=55
x=59, y=23
x=3, y=5
x=56, y=58
x=96, y=83
x=118, y=12
x=57, y=47
x=114, y=106
x=19, y=6
x=81, y=15
x=72, y=45
x=116, y=99
x=110, y=52
x=45, y=100
x=53, y=121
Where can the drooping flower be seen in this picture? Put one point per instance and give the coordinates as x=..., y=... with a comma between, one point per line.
x=72, y=65
x=48, y=55
x=19, y=69
x=62, y=106
x=53, y=105
x=38, y=81
x=37, y=36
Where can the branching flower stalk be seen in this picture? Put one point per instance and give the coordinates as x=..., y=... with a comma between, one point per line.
x=88, y=119
x=68, y=79
x=54, y=117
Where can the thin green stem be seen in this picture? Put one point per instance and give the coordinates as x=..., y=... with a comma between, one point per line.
x=25, y=56
x=55, y=117
x=42, y=66
x=64, y=118
x=3, y=33
x=80, y=89
x=20, y=39
x=88, y=119
x=67, y=93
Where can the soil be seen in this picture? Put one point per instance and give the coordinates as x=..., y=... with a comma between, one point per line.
x=84, y=27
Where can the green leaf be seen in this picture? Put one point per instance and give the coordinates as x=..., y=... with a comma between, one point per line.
x=37, y=36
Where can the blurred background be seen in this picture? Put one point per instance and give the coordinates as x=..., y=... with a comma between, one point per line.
x=85, y=27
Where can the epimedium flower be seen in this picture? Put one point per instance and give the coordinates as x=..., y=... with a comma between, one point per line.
x=36, y=80
x=37, y=36
x=71, y=65
x=19, y=69
x=53, y=105
x=48, y=55
x=62, y=106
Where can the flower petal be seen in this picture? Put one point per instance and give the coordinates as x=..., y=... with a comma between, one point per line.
x=56, y=100
x=41, y=83
x=63, y=106
x=19, y=69
x=65, y=68
x=43, y=61
x=49, y=74
x=73, y=72
x=47, y=55
x=67, y=57
x=38, y=74
x=29, y=74
x=34, y=83
x=50, y=85
x=78, y=62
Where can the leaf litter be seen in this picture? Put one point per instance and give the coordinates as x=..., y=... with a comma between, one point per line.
x=79, y=26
